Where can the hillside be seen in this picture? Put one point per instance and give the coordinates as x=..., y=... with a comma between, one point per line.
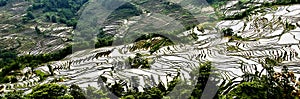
x=150, y=48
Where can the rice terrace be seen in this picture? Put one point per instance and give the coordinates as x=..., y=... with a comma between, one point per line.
x=150, y=49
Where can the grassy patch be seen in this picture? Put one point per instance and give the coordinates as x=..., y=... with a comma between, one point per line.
x=41, y=74
x=238, y=38
x=232, y=48
x=139, y=62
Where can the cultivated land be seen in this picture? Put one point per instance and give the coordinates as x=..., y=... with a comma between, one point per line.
x=229, y=38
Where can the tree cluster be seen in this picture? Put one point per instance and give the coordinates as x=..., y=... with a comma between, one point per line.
x=59, y=11
x=49, y=91
x=3, y=2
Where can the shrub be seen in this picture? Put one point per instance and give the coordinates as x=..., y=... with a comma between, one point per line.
x=227, y=32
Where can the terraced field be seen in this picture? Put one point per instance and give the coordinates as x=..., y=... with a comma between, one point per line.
x=16, y=35
x=267, y=33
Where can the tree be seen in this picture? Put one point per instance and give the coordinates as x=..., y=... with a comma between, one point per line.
x=76, y=92
x=37, y=30
x=48, y=91
x=30, y=15
x=13, y=95
x=66, y=96
x=249, y=90
x=227, y=32
x=203, y=74
x=3, y=2
x=54, y=19
x=62, y=11
x=93, y=93
x=51, y=70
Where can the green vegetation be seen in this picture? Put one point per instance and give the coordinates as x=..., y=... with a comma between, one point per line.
x=202, y=75
x=242, y=14
x=135, y=8
x=275, y=85
x=104, y=39
x=232, y=48
x=227, y=32
x=56, y=91
x=238, y=38
x=13, y=95
x=15, y=63
x=216, y=3
x=57, y=11
x=249, y=90
x=138, y=7
x=125, y=11
x=41, y=74
x=169, y=9
x=7, y=56
x=203, y=78
x=152, y=42
x=29, y=16
x=48, y=91
x=288, y=26
x=3, y=2
x=258, y=85
x=37, y=30
x=194, y=36
x=139, y=61
x=158, y=44
x=242, y=3
x=160, y=91
x=273, y=62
